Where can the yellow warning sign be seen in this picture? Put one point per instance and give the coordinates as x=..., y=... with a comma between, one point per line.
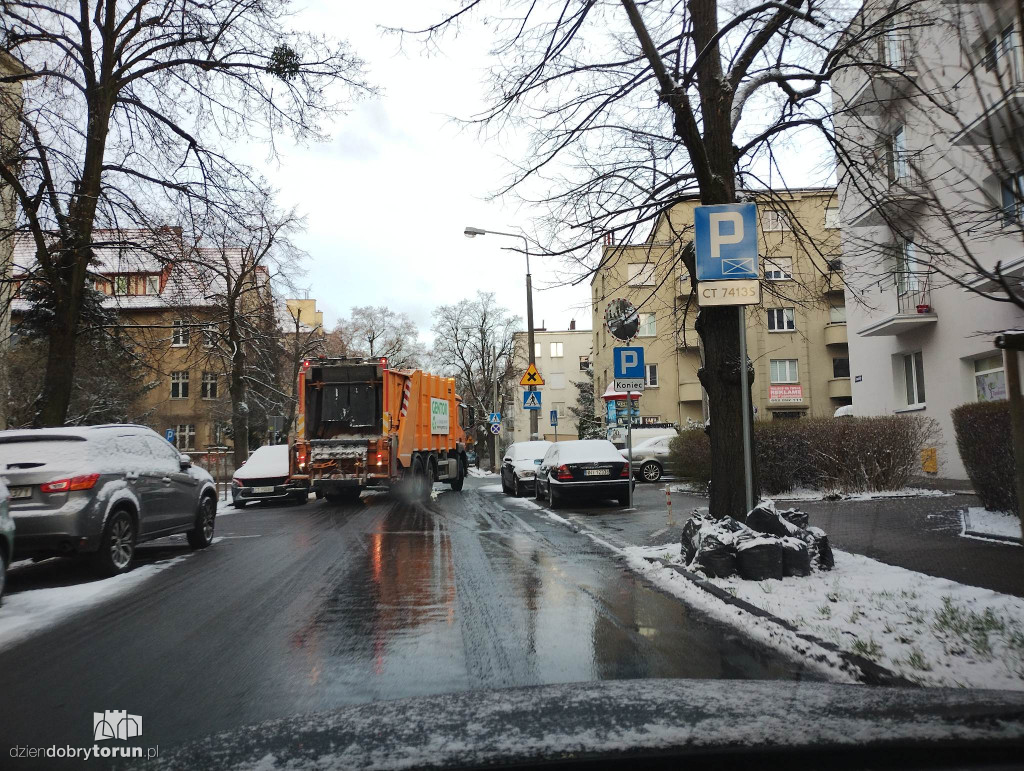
x=532, y=377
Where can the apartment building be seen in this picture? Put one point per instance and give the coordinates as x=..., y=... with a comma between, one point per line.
x=931, y=124
x=796, y=338
x=563, y=358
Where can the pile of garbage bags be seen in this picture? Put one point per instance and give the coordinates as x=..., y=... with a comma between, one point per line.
x=768, y=544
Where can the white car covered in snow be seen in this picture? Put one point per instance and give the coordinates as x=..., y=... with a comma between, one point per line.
x=266, y=476
x=519, y=466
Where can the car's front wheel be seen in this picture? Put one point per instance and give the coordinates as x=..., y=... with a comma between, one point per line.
x=651, y=471
x=117, y=544
x=201, y=535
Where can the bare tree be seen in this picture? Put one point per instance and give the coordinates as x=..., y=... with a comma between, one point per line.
x=631, y=107
x=466, y=336
x=377, y=331
x=300, y=340
x=125, y=106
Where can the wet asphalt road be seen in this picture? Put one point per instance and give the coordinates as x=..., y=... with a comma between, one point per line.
x=304, y=608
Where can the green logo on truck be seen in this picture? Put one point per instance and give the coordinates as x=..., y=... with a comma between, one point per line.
x=438, y=416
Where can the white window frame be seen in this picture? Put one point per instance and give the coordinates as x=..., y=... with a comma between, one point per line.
x=179, y=334
x=209, y=378
x=784, y=316
x=837, y=314
x=792, y=374
x=180, y=379
x=556, y=349
x=648, y=325
x=1000, y=370
x=189, y=434
x=121, y=284
x=775, y=220
x=559, y=408
x=585, y=364
x=913, y=379
x=650, y=382
x=210, y=336
x=537, y=350
x=152, y=285
x=641, y=273
x=778, y=268
x=1011, y=203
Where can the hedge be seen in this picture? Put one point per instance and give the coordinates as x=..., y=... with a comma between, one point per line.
x=985, y=442
x=846, y=454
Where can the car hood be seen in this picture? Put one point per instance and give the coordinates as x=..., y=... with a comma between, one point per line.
x=524, y=465
x=619, y=720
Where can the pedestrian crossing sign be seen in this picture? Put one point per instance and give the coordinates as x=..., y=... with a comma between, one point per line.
x=531, y=400
x=531, y=377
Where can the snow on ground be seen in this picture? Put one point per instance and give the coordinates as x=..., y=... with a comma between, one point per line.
x=490, y=489
x=479, y=472
x=930, y=630
x=23, y=614
x=979, y=521
x=821, y=495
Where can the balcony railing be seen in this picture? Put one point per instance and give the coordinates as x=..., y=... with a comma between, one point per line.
x=913, y=292
x=913, y=305
x=902, y=169
x=895, y=49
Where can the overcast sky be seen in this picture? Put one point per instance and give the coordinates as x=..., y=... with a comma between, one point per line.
x=387, y=199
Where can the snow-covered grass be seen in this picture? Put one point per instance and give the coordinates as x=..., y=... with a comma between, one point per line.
x=980, y=521
x=821, y=495
x=930, y=630
x=23, y=614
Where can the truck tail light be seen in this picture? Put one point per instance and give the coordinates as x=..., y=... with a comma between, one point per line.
x=380, y=462
x=83, y=482
x=564, y=474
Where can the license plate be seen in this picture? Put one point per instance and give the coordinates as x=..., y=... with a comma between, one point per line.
x=596, y=472
x=263, y=489
x=21, y=492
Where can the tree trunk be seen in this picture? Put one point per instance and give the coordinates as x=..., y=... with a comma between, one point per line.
x=239, y=408
x=720, y=376
x=58, y=380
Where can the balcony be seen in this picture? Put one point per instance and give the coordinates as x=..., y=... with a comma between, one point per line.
x=839, y=388
x=690, y=392
x=900, y=193
x=913, y=308
x=1000, y=121
x=892, y=78
x=835, y=334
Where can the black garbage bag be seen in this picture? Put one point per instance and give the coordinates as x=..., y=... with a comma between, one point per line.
x=691, y=529
x=796, y=557
x=759, y=558
x=795, y=517
x=718, y=563
x=821, y=556
x=764, y=519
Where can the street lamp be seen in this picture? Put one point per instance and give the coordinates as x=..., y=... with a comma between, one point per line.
x=471, y=232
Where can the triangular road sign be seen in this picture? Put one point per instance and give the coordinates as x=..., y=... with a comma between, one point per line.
x=532, y=377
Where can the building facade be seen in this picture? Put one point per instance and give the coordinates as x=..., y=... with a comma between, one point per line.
x=796, y=338
x=931, y=126
x=563, y=359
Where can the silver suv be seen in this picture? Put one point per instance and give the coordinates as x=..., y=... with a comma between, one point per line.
x=100, y=490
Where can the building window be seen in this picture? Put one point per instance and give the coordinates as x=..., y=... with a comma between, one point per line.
x=536, y=351
x=121, y=285
x=209, y=386
x=837, y=314
x=559, y=408
x=784, y=371
x=1000, y=54
x=775, y=219
x=787, y=414
x=1012, y=192
x=179, y=333
x=556, y=350
x=781, y=319
x=179, y=385
x=778, y=268
x=840, y=367
x=897, y=159
x=990, y=378
x=648, y=328
x=908, y=268
x=584, y=364
x=832, y=217
x=896, y=48
x=152, y=284
x=641, y=273
x=185, y=436
x=913, y=378
x=651, y=378
x=556, y=380
x=209, y=335
x=218, y=433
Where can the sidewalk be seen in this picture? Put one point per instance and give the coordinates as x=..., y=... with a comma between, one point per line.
x=920, y=534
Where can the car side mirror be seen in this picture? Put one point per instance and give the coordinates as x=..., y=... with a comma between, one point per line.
x=185, y=462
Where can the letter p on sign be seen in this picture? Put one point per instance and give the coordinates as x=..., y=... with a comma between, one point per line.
x=718, y=236
x=726, y=241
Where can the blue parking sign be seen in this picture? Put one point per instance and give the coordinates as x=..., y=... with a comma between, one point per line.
x=628, y=362
x=169, y=435
x=726, y=241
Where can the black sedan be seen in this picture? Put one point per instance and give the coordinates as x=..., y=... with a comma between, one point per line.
x=583, y=468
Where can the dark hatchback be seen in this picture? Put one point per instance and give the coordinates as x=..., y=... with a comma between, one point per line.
x=266, y=477
x=583, y=468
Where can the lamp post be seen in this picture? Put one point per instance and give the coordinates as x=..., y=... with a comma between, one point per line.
x=471, y=232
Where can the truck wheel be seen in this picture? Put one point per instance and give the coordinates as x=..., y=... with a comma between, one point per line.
x=429, y=475
x=460, y=477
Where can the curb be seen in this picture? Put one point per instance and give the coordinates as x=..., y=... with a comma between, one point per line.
x=872, y=673
x=965, y=530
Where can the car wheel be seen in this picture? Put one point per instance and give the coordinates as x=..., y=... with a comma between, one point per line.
x=117, y=545
x=554, y=497
x=650, y=471
x=201, y=535
x=517, y=490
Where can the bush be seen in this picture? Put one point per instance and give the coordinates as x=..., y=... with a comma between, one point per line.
x=846, y=454
x=983, y=437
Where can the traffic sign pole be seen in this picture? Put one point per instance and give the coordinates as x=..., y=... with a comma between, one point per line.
x=748, y=482
x=629, y=445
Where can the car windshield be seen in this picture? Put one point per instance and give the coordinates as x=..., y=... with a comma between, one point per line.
x=325, y=326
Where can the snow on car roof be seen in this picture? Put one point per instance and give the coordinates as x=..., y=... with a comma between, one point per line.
x=268, y=461
x=530, y=450
x=586, y=450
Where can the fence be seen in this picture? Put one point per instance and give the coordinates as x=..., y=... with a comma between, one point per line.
x=220, y=464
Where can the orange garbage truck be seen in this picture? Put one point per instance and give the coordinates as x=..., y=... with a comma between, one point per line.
x=360, y=424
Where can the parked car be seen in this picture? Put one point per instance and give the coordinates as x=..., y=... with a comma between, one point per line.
x=519, y=466
x=650, y=457
x=583, y=468
x=266, y=477
x=100, y=491
x=472, y=459
x=6, y=536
